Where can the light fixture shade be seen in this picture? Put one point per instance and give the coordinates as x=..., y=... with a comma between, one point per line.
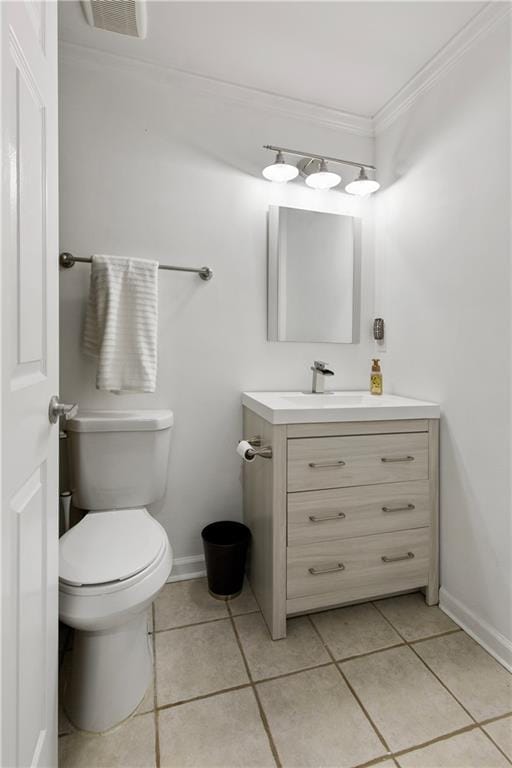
x=362, y=185
x=280, y=171
x=323, y=179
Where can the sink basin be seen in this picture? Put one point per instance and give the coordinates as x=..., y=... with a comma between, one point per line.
x=307, y=408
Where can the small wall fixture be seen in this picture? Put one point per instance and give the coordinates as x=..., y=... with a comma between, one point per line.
x=378, y=329
x=313, y=168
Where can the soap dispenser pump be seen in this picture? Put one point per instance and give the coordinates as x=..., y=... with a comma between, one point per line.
x=376, y=378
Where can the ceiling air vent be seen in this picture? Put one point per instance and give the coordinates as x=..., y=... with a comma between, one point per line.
x=126, y=17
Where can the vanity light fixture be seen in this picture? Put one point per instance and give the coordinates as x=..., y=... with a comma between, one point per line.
x=314, y=169
x=362, y=185
x=280, y=171
x=322, y=178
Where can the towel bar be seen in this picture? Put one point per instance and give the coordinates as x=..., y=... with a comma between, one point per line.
x=67, y=260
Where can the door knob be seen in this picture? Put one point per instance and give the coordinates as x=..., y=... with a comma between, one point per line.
x=56, y=409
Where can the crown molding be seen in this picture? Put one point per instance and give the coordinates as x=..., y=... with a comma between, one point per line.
x=438, y=66
x=222, y=90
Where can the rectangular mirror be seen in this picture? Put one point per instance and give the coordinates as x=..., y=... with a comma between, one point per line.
x=313, y=276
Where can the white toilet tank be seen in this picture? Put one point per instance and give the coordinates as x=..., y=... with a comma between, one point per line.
x=119, y=458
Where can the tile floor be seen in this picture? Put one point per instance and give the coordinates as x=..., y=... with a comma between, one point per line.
x=390, y=683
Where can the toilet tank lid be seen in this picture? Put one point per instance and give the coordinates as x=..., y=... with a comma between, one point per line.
x=120, y=421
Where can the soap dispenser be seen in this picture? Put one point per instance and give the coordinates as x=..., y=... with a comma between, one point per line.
x=376, y=378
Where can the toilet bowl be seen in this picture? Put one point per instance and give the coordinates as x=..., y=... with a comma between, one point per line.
x=112, y=565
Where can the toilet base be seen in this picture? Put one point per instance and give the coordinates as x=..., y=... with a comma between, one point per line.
x=110, y=673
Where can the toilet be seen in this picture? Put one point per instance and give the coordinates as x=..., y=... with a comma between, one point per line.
x=114, y=561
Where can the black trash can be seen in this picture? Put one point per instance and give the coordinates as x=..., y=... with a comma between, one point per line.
x=225, y=548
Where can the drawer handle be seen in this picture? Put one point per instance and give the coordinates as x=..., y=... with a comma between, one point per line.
x=398, y=509
x=337, y=516
x=332, y=569
x=398, y=458
x=386, y=559
x=320, y=464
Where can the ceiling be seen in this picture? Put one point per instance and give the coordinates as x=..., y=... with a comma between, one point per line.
x=351, y=56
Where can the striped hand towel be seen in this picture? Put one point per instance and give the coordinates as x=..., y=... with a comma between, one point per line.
x=121, y=323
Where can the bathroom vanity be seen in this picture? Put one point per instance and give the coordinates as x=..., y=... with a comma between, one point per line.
x=344, y=507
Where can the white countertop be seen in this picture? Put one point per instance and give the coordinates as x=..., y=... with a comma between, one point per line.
x=307, y=408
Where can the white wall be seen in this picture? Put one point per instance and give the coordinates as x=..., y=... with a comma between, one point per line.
x=150, y=169
x=443, y=256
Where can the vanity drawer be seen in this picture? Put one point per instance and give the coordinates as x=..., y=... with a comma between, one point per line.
x=340, y=513
x=336, y=462
x=350, y=569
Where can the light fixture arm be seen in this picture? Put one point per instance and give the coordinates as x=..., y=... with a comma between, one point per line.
x=315, y=156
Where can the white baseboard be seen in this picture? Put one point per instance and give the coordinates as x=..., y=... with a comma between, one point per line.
x=187, y=568
x=489, y=638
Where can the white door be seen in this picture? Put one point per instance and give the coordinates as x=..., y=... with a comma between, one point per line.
x=29, y=377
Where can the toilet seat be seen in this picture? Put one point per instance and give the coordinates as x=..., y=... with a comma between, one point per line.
x=108, y=548
x=108, y=605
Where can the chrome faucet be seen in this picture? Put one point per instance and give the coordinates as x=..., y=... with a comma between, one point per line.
x=320, y=371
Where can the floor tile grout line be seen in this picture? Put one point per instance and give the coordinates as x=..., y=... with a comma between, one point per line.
x=247, y=584
x=365, y=711
x=447, y=737
x=411, y=646
x=482, y=725
x=444, y=737
x=375, y=604
x=495, y=744
x=266, y=727
x=292, y=673
x=192, y=624
x=475, y=724
x=367, y=653
x=459, y=702
x=246, y=613
x=375, y=762
x=491, y=720
x=376, y=652
x=419, y=640
x=263, y=717
x=182, y=702
x=343, y=677
x=179, y=703
x=412, y=643
x=203, y=621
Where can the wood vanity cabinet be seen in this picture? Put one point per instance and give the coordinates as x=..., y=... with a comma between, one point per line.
x=342, y=513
